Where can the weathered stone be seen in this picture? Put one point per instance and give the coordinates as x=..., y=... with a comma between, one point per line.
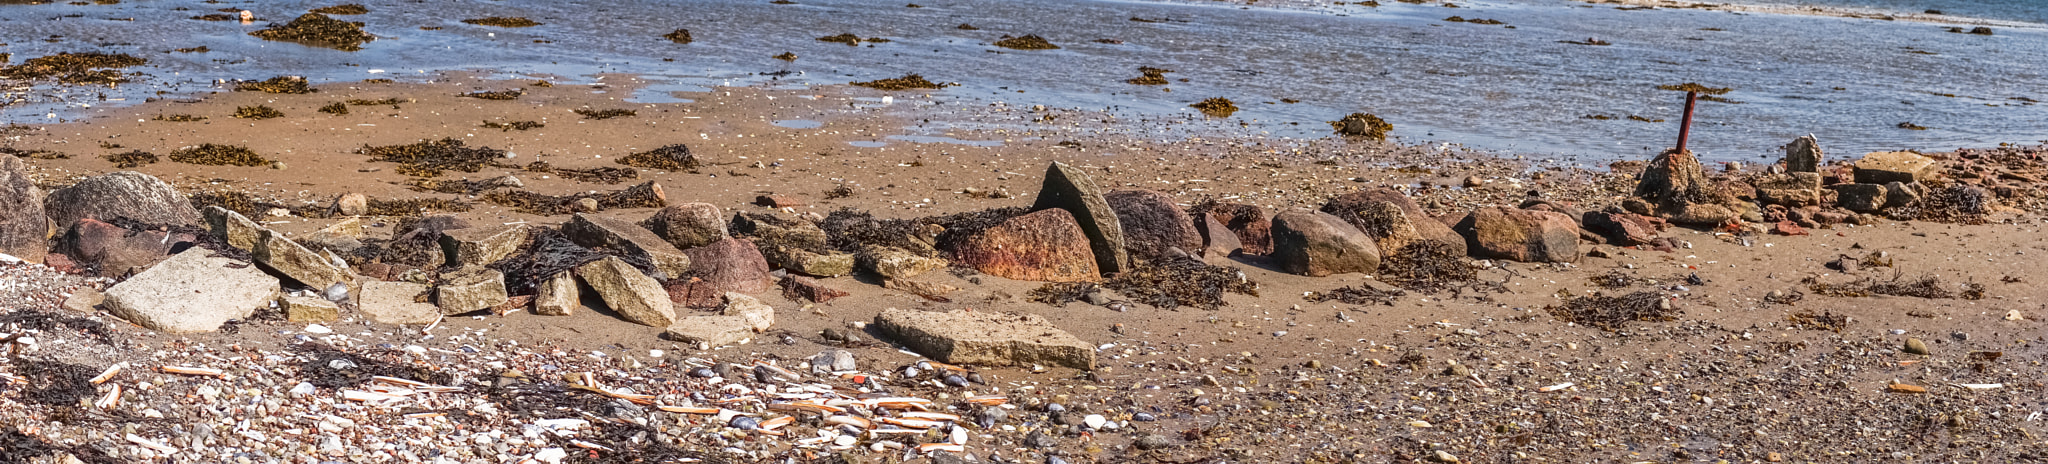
x=343, y=237
x=417, y=242
x=191, y=292
x=397, y=303
x=126, y=194
x=928, y=290
x=284, y=256
x=834, y=361
x=986, y=338
x=1218, y=242
x=1389, y=226
x=618, y=234
x=1070, y=189
x=1792, y=189
x=1348, y=206
x=478, y=246
x=688, y=225
x=1153, y=224
x=1861, y=198
x=822, y=265
x=1045, y=246
x=759, y=315
x=1521, y=235
x=309, y=309
x=711, y=330
x=350, y=204
x=1803, y=155
x=1894, y=166
x=896, y=263
x=557, y=296
x=730, y=265
x=693, y=293
x=106, y=250
x=1317, y=244
x=232, y=227
x=800, y=288
x=1249, y=222
x=632, y=294
x=1900, y=194
x=469, y=290
x=778, y=201
x=84, y=300
x=1675, y=187
x=24, y=228
x=1623, y=229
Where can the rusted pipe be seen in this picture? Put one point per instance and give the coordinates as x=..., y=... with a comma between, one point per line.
x=1685, y=125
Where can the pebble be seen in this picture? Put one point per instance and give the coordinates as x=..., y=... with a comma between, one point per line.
x=1153, y=441
x=1094, y=421
x=1915, y=346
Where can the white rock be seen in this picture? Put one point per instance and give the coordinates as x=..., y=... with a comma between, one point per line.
x=318, y=329
x=304, y=389
x=551, y=455
x=1094, y=421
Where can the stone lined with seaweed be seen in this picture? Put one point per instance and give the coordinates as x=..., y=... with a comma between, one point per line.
x=318, y=30
x=90, y=68
x=343, y=9
x=1218, y=107
x=674, y=158
x=279, y=84
x=1028, y=42
x=681, y=36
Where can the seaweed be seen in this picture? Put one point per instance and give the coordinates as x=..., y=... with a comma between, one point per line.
x=785, y=56
x=1362, y=125
x=1954, y=204
x=503, y=21
x=841, y=191
x=1150, y=76
x=603, y=175
x=851, y=40
x=257, y=112
x=509, y=94
x=379, y=80
x=1610, y=313
x=1027, y=42
x=1171, y=283
x=34, y=153
x=1427, y=266
x=1218, y=107
x=850, y=230
x=416, y=207
x=966, y=27
x=908, y=82
x=673, y=158
x=381, y=101
x=1058, y=294
x=334, y=368
x=1828, y=321
x=1694, y=87
x=681, y=36
x=430, y=158
x=131, y=159
x=335, y=108
x=1490, y=22
x=318, y=30
x=215, y=17
x=280, y=84
x=198, y=49
x=343, y=9
x=647, y=195
x=605, y=114
x=1930, y=287
x=514, y=125
x=89, y=68
x=57, y=384
x=1612, y=280
x=31, y=319
x=549, y=253
x=1356, y=295
x=218, y=155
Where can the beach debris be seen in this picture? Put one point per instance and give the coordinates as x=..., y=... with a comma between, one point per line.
x=1362, y=125
x=1217, y=107
x=257, y=112
x=208, y=154
x=502, y=21
x=605, y=113
x=82, y=68
x=681, y=36
x=907, y=82
x=430, y=158
x=319, y=30
x=279, y=84
x=1149, y=76
x=1610, y=313
x=1027, y=42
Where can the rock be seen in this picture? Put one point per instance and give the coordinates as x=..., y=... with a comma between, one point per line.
x=1788, y=228
x=1218, y=242
x=929, y=290
x=1316, y=244
x=586, y=205
x=800, y=288
x=478, y=246
x=191, y=292
x=1348, y=206
x=1861, y=198
x=1069, y=189
x=417, y=242
x=470, y=290
x=343, y=237
x=1249, y=222
x=283, y=256
x=821, y=265
x=1622, y=228
x=633, y=295
x=24, y=228
x=1443, y=457
x=84, y=300
x=309, y=309
x=1792, y=189
x=1044, y=246
x=1674, y=187
x=711, y=330
x=835, y=361
x=602, y=232
x=106, y=250
x=557, y=295
x=350, y=204
x=1390, y=227
x=238, y=231
x=1894, y=166
x=1521, y=235
x=1153, y=441
x=778, y=201
x=397, y=303
x=1915, y=346
x=126, y=194
x=730, y=265
x=759, y=315
x=1803, y=155
x=1900, y=194
x=688, y=225
x=1152, y=223
x=986, y=338
x=896, y=263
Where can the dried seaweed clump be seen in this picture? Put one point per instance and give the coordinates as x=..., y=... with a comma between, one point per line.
x=218, y=155
x=1028, y=42
x=1610, y=313
x=280, y=84
x=1828, y=321
x=179, y=118
x=343, y=9
x=1362, y=125
x=909, y=82
x=34, y=153
x=604, y=175
x=1151, y=76
x=327, y=367
x=1218, y=107
x=681, y=36
x=549, y=253
x=1954, y=204
x=502, y=21
x=131, y=159
x=257, y=112
x=1058, y=294
x=1930, y=287
x=509, y=94
x=514, y=125
x=1427, y=266
x=1693, y=87
x=1356, y=295
x=674, y=158
x=318, y=30
x=91, y=68
x=382, y=101
x=850, y=39
x=416, y=206
x=1173, y=283
x=431, y=157
x=785, y=56
x=647, y=195
x=335, y=108
x=605, y=114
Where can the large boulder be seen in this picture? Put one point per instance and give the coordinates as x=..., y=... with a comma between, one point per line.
x=731, y=265
x=477, y=246
x=24, y=228
x=1349, y=207
x=1803, y=155
x=106, y=250
x=1045, y=246
x=397, y=303
x=1521, y=235
x=1253, y=228
x=1218, y=242
x=128, y=194
x=986, y=338
x=630, y=293
x=625, y=237
x=1070, y=189
x=1317, y=244
x=191, y=292
x=1894, y=166
x=688, y=225
x=1153, y=224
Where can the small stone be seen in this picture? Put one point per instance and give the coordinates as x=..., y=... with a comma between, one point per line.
x=350, y=204
x=778, y=201
x=557, y=295
x=1153, y=441
x=1915, y=346
x=800, y=288
x=87, y=300
x=1473, y=182
x=309, y=309
x=1094, y=421
x=1444, y=457
x=2014, y=315
x=469, y=290
x=586, y=205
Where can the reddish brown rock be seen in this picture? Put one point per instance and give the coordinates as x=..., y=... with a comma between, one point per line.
x=1249, y=222
x=1069, y=188
x=107, y=250
x=1045, y=246
x=800, y=288
x=1624, y=229
x=1521, y=235
x=778, y=201
x=1153, y=224
x=1218, y=242
x=1788, y=228
x=688, y=225
x=1348, y=205
x=1316, y=244
x=731, y=265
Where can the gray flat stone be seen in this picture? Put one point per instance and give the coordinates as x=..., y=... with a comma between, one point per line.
x=296, y=261
x=557, y=296
x=396, y=303
x=190, y=292
x=477, y=246
x=617, y=234
x=711, y=330
x=470, y=290
x=232, y=227
x=986, y=338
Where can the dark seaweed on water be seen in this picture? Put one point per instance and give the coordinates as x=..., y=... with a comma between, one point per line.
x=502, y=21
x=344, y=9
x=318, y=30
x=910, y=82
x=1693, y=87
x=430, y=158
x=90, y=68
x=218, y=155
x=1028, y=42
x=131, y=159
x=279, y=84
x=681, y=36
x=1218, y=107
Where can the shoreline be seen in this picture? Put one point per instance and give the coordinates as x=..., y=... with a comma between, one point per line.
x=1833, y=12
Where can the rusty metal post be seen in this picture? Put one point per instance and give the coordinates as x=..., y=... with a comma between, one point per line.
x=1685, y=125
